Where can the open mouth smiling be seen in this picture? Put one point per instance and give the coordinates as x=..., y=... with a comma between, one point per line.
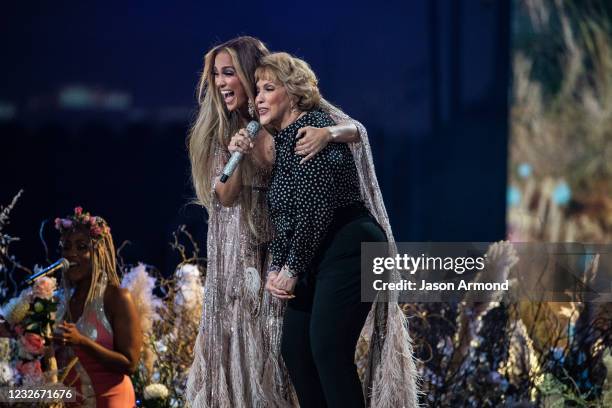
x=228, y=96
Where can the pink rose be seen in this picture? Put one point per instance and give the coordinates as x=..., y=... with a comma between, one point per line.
x=31, y=371
x=58, y=223
x=67, y=224
x=92, y=221
x=32, y=343
x=78, y=210
x=44, y=287
x=96, y=231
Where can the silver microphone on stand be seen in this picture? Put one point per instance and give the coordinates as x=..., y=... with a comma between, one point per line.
x=61, y=264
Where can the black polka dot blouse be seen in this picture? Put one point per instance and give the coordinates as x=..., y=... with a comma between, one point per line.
x=303, y=197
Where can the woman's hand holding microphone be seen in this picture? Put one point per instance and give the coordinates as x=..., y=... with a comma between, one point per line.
x=241, y=142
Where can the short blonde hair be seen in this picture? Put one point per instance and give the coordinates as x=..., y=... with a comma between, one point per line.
x=295, y=75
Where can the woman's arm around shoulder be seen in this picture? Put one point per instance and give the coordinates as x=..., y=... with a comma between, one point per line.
x=312, y=139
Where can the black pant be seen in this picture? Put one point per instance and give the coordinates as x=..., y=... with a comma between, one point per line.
x=322, y=324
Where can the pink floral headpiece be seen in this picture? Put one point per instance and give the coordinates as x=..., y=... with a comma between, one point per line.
x=98, y=228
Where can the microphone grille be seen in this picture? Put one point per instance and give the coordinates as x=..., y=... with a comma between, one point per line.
x=65, y=264
x=252, y=128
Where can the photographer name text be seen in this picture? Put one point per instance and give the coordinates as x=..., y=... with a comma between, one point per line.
x=405, y=284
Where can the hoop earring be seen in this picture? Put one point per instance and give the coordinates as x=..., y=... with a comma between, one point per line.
x=251, y=108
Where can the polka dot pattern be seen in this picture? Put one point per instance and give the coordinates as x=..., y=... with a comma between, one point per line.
x=303, y=197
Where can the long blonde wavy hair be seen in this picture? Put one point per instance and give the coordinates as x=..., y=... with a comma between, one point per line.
x=215, y=125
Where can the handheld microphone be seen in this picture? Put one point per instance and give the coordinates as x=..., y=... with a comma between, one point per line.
x=252, y=129
x=61, y=264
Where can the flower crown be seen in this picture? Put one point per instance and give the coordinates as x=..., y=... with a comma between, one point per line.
x=98, y=228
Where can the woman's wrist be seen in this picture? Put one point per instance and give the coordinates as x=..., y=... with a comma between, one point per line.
x=274, y=269
x=332, y=134
x=346, y=133
x=290, y=273
x=82, y=341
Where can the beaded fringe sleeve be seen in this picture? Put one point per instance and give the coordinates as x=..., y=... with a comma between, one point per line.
x=389, y=377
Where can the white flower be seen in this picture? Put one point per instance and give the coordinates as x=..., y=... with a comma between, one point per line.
x=6, y=373
x=190, y=290
x=44, y=287
x=160, y=346
x=189, y=296
x=153, y=391
x=188, y=272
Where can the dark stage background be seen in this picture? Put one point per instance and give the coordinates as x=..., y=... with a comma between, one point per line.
x=96, y=100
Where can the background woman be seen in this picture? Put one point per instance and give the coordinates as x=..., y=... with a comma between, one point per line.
x=320, y=221
x=97, y=320
x=237, y=351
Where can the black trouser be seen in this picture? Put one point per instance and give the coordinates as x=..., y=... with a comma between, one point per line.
x=322, y=324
